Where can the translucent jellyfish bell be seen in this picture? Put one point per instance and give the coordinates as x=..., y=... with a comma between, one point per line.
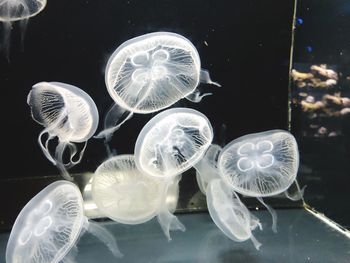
x=206, y=168
x=230, y=214
x=124, y=194
x=17, y=10
x=49, y=226
x=67, y=113
x=172, y=142
x=260, y=164
x=150, y=73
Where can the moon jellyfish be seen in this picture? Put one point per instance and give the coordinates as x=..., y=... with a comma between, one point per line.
x=230, y=214
x=206, y=168
x=17, y=10
x=67, y=113
x=124, y=194
x=260, y=164
x=150, y=73
x=49, y=226
x=172, y=142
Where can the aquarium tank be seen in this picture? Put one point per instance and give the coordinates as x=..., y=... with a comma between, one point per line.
x=175, y=131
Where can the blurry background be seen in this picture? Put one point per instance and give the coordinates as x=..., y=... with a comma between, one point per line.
x=245, y=46
x=321, y=104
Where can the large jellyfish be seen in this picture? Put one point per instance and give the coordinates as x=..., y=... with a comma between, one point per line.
x=49, y=226
x=206, y=168
x=67, y=113
x=17, y=10
x=150, y=73
x=124, y=194
x=260, y=164
x=230, y=214
x=172, y=142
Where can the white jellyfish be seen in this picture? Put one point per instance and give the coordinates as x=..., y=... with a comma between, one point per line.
x=67, y=113
x=230, y=214
x=206, y=168
x=124, y=194
x=150, y=73
x=17, y=10
x=50, y=225
x=172, y=142
x=260, y=165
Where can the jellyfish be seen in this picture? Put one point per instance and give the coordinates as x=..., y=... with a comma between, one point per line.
x=17, y=10
x=206, y=168
x=172, y=142
x=67, y=113
x=125, y=195
x=50, y=225
x=150, y=73
x=230, y=215
x=261, y=165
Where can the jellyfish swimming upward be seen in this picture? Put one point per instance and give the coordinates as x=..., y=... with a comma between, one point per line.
x=50, y=225
x=17, y=10
x=67, y=113
x=150, y=73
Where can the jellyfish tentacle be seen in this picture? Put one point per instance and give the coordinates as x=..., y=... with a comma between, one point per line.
x=45, y=147
x=166, y=219
x=205, y=78
x=106, y=237
x=272, y=212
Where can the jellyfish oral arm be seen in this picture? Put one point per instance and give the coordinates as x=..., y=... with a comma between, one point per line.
x=45, y=148
x=166, y=219
x=114, y=119
x=105, y=236
x=205, y=78
x=272, y=212
x=196, y=96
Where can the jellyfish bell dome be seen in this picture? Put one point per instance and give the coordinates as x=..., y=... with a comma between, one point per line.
x=230, y=215
x=172, y=142
x=123, y=193
x=48, y=226
x=153, y=71
x=14, y=10
x=260, y=164
x=66, y=110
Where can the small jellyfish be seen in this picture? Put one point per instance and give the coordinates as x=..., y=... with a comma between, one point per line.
x=206, y=168
x=67, y=113
x=17, y=10
x=125, y=195
x=50, y=225
x=150, y=73
x=230, y=214
x=260, y=165
x=172, y=142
